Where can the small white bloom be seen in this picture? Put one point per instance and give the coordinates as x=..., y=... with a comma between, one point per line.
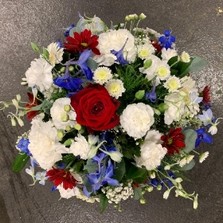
x=206, y=117
x=183, y=162
x=40, y=74
x=115, y=88
x=115, y=156
x=185, y=57
x=203, y=157
x=60, y=117
x=145, y=51
x=195, y=203
x=136, y=119
x=168, y=53
x=55, y=53
x=172, y=84
x=30, y=171
x=102, y=75
x=44, y=144
x=41, y=177
x=142, y=16
x=189, y=158
x=166, y=194
x=66, y=193
x=80, y=147
x=213, y=129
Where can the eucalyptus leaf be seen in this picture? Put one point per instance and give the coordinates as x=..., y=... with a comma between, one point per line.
x=91, y=166
x=92, y=64
x=197, y=64
x=137, y=193
x=20, y=162
x=190, y=139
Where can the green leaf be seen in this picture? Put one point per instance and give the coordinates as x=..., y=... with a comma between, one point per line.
x=77, y=167
x=20, y=162
x=190, y=139
x=138, y=175
x=189, y=166
x=103, y=202
x=138, y=193
x=45, y=53
x=68, y=158
x=120, y=170
x=173, y=61
x=35, y=47
x=91, y=166
x=197, y=64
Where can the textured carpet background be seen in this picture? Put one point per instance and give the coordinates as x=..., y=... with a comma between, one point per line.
x=198, y=26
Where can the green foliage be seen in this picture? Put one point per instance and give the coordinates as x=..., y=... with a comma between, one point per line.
x=190, y=139
x=103, y=202
x=138, y=193
x=35, y=47
x=92, y=64
x=20, y=162
x=138, y=175
x=120, y=170
x=68, y=158
x=197, y=64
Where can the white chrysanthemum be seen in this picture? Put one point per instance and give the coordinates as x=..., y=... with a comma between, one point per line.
x=55, y=53
x=115, y=88
x=162, y=70
x=62, y=113
x=185, y=57
x=188, y=84
x=168, y=53
x=172, y=84
x=102, y=75
x=151, y=155
x=145, y=51
x=115, y=40
x=154, y=136
x=44, y=144
x=150, y=67
x=137, y=119
x=80, y=147
x=39, y=74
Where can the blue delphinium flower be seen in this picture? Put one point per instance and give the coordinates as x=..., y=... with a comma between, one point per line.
x=103, y=175
x=167, y=39
x=68, y=82
x=119, y=55
x=22, y=145
x=67, y=31
x=203, y=136
x=151, y=96
x=82, y=63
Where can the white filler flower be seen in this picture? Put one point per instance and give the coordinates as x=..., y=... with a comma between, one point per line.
x=62, y=114
x=151, y=151
x=39, y=74
x=44, y=144
x=137, y=119
x=55, y=53
x=116, y=40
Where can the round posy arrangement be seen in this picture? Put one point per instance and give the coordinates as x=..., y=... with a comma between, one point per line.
x=114, y=113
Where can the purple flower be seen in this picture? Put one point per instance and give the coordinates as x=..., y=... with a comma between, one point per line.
x=152, y=94
x=23, y=146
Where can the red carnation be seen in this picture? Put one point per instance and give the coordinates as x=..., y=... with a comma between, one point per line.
x=82, y=41
x=157, y=46
x=173, y=141
x=32, y=103
x=59, y=176
x=206, y=95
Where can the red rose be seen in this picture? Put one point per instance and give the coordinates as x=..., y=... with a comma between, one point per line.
x=95, y=108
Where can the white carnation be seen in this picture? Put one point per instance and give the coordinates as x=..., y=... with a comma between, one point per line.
x=55, y=53
x=137, y=119
x=115, y=88
x=80, y=147
x=151, y=155
x=40, y=74
x=115, y=40
x=154, y=136
x=44, y=144
x=60, y=117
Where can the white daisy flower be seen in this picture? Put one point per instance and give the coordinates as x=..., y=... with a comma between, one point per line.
x=55, y=53
x=145, y=50
x=172, y=84
x=115, y=88
x=102, y=75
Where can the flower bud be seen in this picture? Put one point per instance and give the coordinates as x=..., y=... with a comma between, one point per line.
x=60, y=134
x=142, y=16
x=142, y=201
x=20, y=122
x=203, y=156
x=152, y=175
x=18, y=97
x=139, y=94
x=13, y=122
x=150, y=189
x=67, y=108
x=71, y=68
x=166, y=194
x=159, y=187
x=167, y=167
x=185, y=57
x=195, y=203
x=179, y=180
x=64, y=117
x=77, y=127
x=213, y=129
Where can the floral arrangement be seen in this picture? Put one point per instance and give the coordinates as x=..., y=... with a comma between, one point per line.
x=114, y=114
